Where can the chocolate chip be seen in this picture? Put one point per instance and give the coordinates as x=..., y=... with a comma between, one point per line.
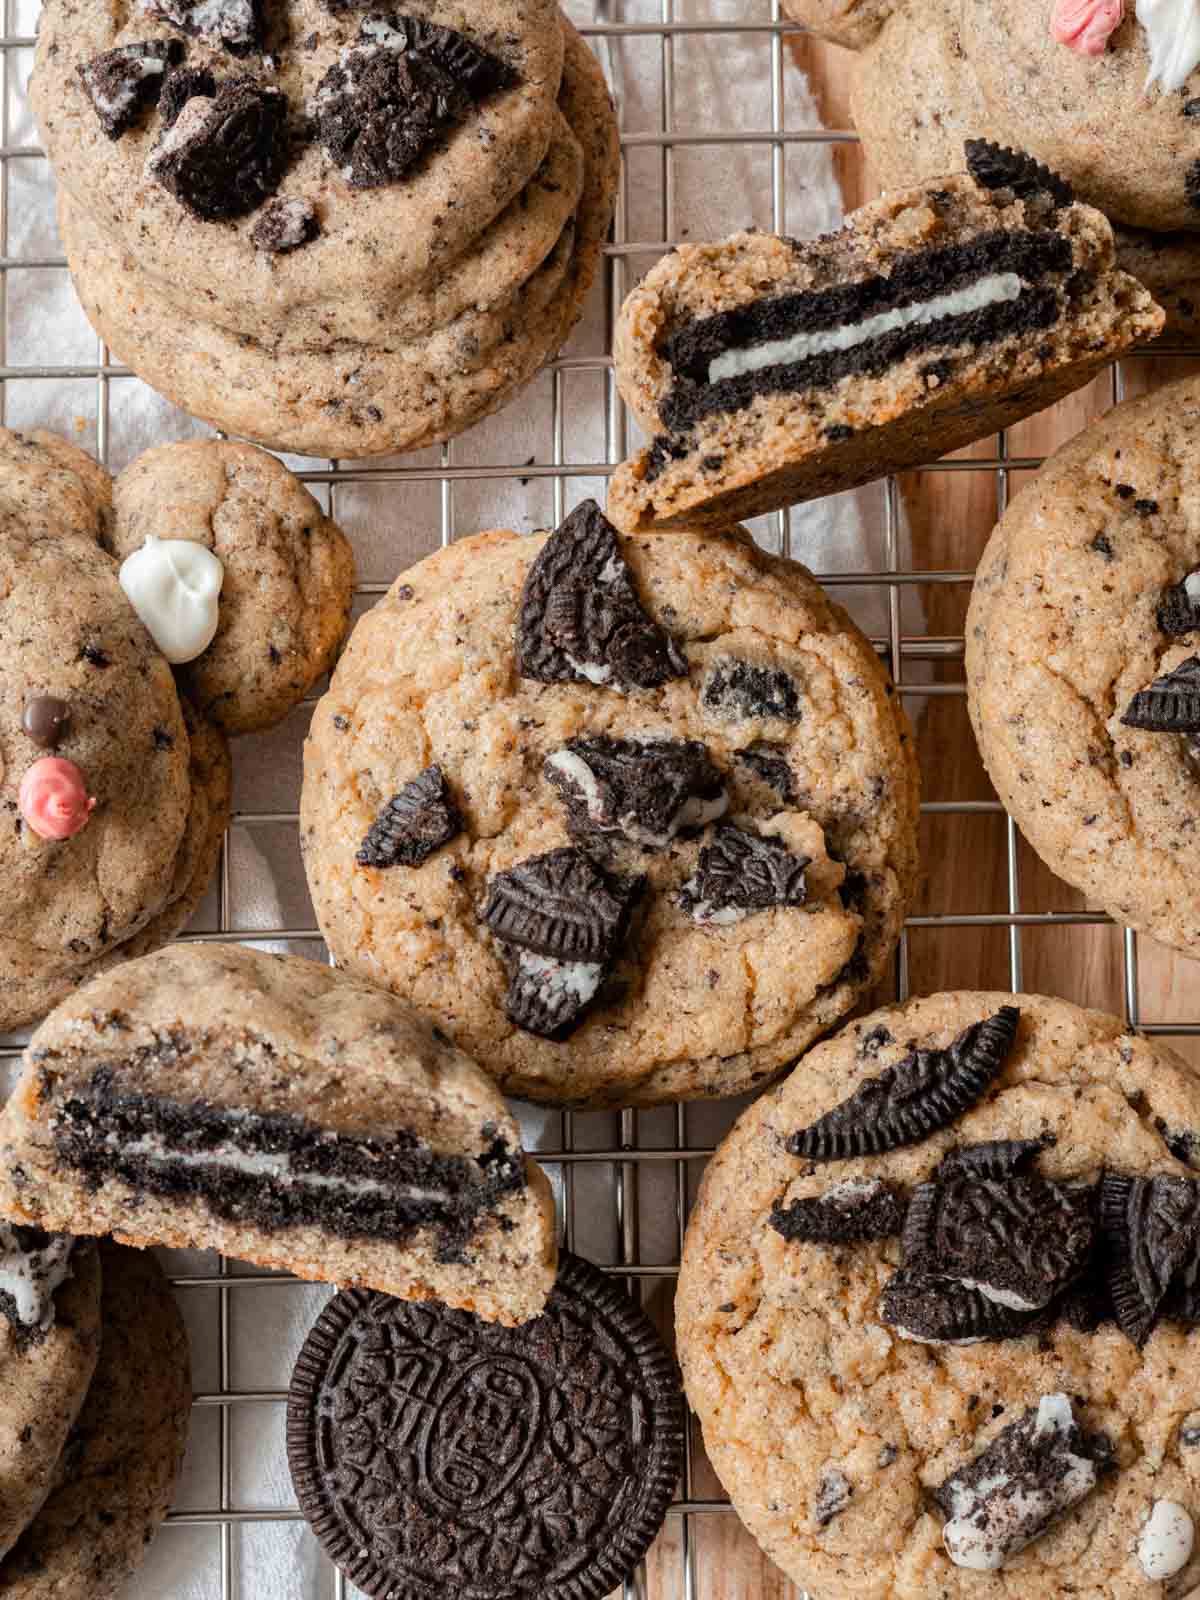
x=1171, y=704
x=834, y=1493
x=1146, y=508
x=581, y=620
x=1151, y=1227
x=235, y=25
x=739, y=873
x=737, y=690
x=561, y=904
x=45, y=720
x=849, y=1213
x=223, y=156
x=934, y=1310
x=996, y=167
x=1178, y=611
x=1033, y=1472
x=643, y=790
x=182, y=85
x=416, y=822
x=285, y=225
x=396, y=92
x=120, y=83
x=907, y=1102
x=1013, y=1235
x=769, y=763
x=437, y=1454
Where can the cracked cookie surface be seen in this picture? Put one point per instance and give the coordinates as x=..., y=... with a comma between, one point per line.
x=829, y=1430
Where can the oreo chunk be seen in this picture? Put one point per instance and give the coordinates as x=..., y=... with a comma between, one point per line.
x=1171, y=704
x=739, y=873
x=415, y=823
x=1015, y=1236
x=849, y=1213
x=549, y=997
x=1033, y=1472
x=769, y=764
x=32, y=1266
x=182, y=85
x=395, y=93
x=122, y=82
x=1151, y=1227
x=643, y=790
x=1179, y=609
x=285, y=225
x=996, y=167
x=222, y=157
x=737, y=691
x=930, y=1310
x=834, y=1493
x=234, y=25
x=581, y=620
x=925, y=1091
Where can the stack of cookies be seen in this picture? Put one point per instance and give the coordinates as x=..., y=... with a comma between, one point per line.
x=337, y=231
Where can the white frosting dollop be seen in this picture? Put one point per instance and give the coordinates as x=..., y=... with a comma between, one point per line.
x=174, y=585
x=1165, y=1543
x=1173, y=38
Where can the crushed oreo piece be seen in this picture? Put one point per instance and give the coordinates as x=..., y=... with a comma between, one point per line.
x=738, y=690
x=1033, y=1472
x=1013, y=1235
x=234, y=25
x=32, y=1266
x=994, y=1158
x=850, y=1213
x=416, y=822
x=644, y=790
x=1151, y=1227
x=581, y=620
x=996, y=167
x=550, y=997
x=223, y=156
x=1086, y=1305
x=1189, y=1431
x=834, y=1493
x=120, y=83
x=907, y=1102
x=182, y=85
x=933, y=1310
x=1171, y=704
x=769, y=764
x=285, y=225
x=1179, y=609
x=395, y=93
x=561, y=904
x=739, y=873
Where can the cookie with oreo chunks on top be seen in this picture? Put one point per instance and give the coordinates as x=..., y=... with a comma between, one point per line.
x=762, y=1312
x=934, y=316
x=763, y=909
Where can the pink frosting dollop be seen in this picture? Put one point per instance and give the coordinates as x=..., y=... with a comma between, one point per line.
x=1085, y=25
x=53, y=798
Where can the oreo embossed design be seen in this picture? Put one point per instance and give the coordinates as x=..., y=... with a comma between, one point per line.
x=643, y=790
x=998, y=168
x=435, y=1454
x=1151, y=1228
x=1179, y=609
x=1171, y=704
x=416, y=822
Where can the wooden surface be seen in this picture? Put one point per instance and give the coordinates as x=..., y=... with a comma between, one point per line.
x=947, y=518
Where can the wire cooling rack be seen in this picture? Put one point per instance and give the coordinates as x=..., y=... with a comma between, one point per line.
x=624, y=1180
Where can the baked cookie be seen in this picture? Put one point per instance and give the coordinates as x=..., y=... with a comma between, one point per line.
x=115, y=785
x=937, y=1308
x=418, y=219
x=632, y=819
x=1083, y=607
x=118, y=1471
x=216, y=1097
x=49, y=1340
x=771, y=370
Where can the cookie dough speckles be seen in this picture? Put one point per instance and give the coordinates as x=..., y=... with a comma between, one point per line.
x=174, y=585
x=1164, y=1545
x=53, y=799
x=32, y=1265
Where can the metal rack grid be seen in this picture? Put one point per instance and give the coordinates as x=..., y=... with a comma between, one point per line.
x=624, y=1154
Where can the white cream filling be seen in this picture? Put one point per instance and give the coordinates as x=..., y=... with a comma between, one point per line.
x=32, y=1276
x=136, y=68
x=1000, y=1297
x=694, y=813
x=920, y=1338
x=579, y=979
x=593, y=671
x=992, y=290
x=1164, y=1546
x=1191, y=586
x=1173, y=40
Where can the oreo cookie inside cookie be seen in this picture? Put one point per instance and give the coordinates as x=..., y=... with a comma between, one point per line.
x=768, y=763
x=395, y=93
x=415, y=823
x=1171, y=704
x=121, y=83
x=907, y=1102
x=848, y=1213
x=738, y=690
x=1151, y=1229
x=581, y=620
x=434, y=1454
x=234, y=25
x=182, y=85
x=927, y=1309
x=1034, y=1471
x=1179, y=609
x=642, y=790
x=223, y=156
x=739, y=873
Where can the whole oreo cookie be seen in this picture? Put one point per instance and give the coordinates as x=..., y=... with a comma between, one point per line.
x=435, y=1454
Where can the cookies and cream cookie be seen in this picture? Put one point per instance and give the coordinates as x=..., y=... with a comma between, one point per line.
x=937, y=1311
x=632, y=819
x=216, y=1097
x=770, y=370
x=1082, y=638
